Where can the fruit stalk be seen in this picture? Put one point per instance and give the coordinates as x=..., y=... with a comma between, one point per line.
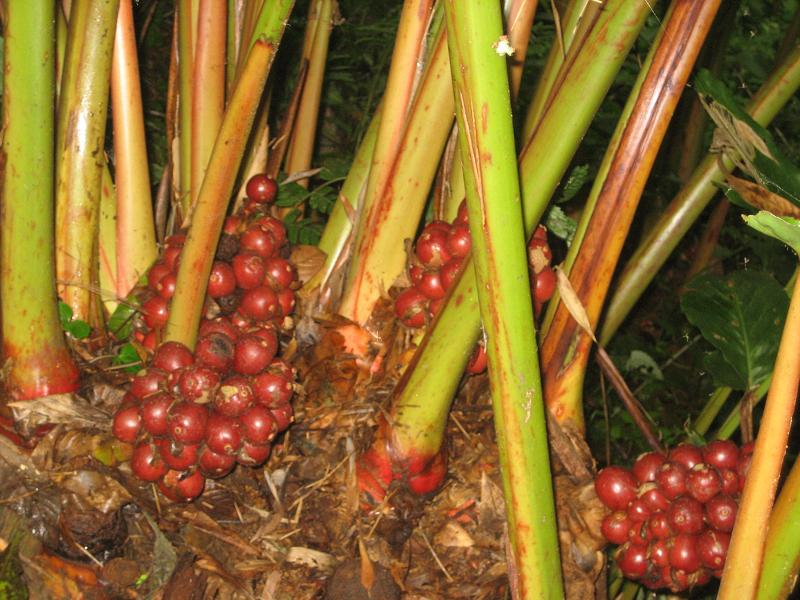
x=614, y=198
x=690, y=202
x=135, y=230
x=80, y=139
x=486, y=140
x=209, y=213
x=743, y=566
x=34, y=350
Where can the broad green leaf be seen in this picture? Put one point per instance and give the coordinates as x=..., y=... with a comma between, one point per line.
x=120, y=324
x=785, y=229
x=79, y=329
x=723, y=372
x=577, y=178
x=742, y=316
x=128, y=356
x=64, y=314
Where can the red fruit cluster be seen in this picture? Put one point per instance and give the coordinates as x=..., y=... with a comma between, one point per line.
x=439, y=254
x=672, y=515
x=251, y=281
x=196, y=415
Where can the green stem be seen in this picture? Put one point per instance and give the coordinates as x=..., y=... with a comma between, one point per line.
x=209, y=213
x=690, y=202
x=710, y=411
x=34, y=351
x=80, y=141
x=486, y=136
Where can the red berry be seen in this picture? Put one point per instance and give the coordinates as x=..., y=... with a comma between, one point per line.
x=166, y=285
x=215, y=350
x=703, y=482
x=686, y=454
x=222, y=281
x=647, y=465
x=214, y=465
x=431, y=248
x=231, y=225
x=260, y=304
x=249, y=270
x=671, y=479
x=198, y=383
x=127, y=423
x=478, y=361
x=540, y=233
x=275, y=228
x=253, y=455
x=172, y=255
x=658, y=551
x=632, y=560
x=283, y=415
x=730, y=481
x=257, y=241
x=261, y=188
x=221, y=325
x=722, y=454
x=616, y=487
x=172, y=356
x=459, y=241
x=234, y=396
x=156, y=272
x=258, y=425
x=253, y=354
x=410, y=307
x=154, y=411
x=721, y=512
x=182, y=486
x=544, y=285
x=638, y=510
x=450, y=272
x=155, y=311
x=147, y=464
x=280, y=273
x=272, y=389
x=712, y=548
x=148, y=381
x=683, y=553
x=415, y=273
x=615, y=527
x=462, y=218
x=686, y=515
x=539, y=254
x=286, y=299
x=431, y=285
x=638, y=533
x=223, y=434
x=658, y=526
x=176, y=240
x=176, y=455
x=187, y=422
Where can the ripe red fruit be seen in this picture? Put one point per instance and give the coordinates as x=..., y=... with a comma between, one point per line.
x=647, y=465
x=154, y=411
x=222, y=280
x=632, y=560
x=166, y=285
x=231, y=224
x=274, y=227
x=223, y=434
x=683, y=553
x=177, y=456
x=253, y=455
x=615, y=527
x=215, y=350
x=156, y=272
x=198, y=383
x=638, y=533
x=176, y=240
x=459, y=241
x=172, y=356
x=187, y=422
x=722, y=454
x=146, y=463
x=671, y=479
x=478, y=361
x=721, y=512
x=172, y=255
x=214, y=465
x=411, y=306
x=221, y=325
x=253, y=354
x=658, y=551
x=638, y=510
x=703, y=482
x=431, y=248
x=658, y=526
x=431, y=285
x=258, y=425
x=282, y=368
x=544, y=284
x=234, y=396
x=616, y=487
x=686, y=515
x=127, y=423
x=286, y=299
x=686, y=454
x=450, y=271
x=712, y=548
x=256, y=240
x=429, y=479
x=653, y=497
x=462, y=218
x=261, y=188
x=283, y=415
x=272, y=389
x=155, y=311
x=249, y=270
x=260, y=304
x=539, y=254
x=148, y=381
x=280, y=273
x=182, y=486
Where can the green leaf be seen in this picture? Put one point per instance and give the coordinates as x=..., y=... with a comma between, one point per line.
x=742, y=316
x=64, y=314
x=723, y=372
x=128, y=355
x=79, y=329
x=577, y=178
x=120, y=324
x=643, y=362
x=291, y=194
x=560, y=225
x=785, y=229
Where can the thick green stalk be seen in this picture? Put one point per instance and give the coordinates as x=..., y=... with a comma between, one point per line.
x=614, y=198
x=107, y=243
x=710, y=411
x=746, y=552
x=80, y=140
x=423, y=398
x=690, y=202
x=486, y=140
x=135, y=231
x=209, y=213
x=34, y=351
x=208, y=82
x=183, y=13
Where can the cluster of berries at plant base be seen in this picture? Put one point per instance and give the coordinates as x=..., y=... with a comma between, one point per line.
x=440, y=253
x=195, y=415
x=672, y=516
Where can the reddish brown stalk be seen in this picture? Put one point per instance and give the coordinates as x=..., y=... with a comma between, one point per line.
x=518, y=24
x=565, y=348
x=704, y=250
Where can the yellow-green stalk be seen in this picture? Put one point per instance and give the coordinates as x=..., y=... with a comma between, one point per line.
x=135, y=231
x=183, y=13
x=80, y=141
x=35, y=355
x=486, y=140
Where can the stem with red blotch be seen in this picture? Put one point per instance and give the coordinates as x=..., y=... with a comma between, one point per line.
x=34, y=350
